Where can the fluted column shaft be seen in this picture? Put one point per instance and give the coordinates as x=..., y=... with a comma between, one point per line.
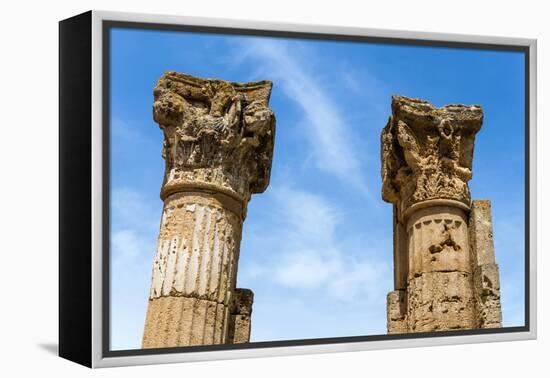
x=218, y=146
x=194, y=271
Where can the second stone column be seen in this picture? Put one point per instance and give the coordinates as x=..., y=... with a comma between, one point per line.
x=427, y=157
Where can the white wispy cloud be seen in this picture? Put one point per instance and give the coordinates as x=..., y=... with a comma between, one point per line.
x=135, y=222
x=122, y=131
x=508, y=231
x=127, y=244
x=132, y=210
x=306, y=249
x=512, y=300
x=330, y=139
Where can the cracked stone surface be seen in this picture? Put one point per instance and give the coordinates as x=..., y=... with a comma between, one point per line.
x=218, y=148
x=445, y=273
x=427, y=151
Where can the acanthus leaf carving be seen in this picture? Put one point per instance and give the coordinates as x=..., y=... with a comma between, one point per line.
x=427, y=151
x=216, y=133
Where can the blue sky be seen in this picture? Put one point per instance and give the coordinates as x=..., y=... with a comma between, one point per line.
x=317, y=245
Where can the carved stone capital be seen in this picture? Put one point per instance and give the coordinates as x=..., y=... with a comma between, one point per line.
x=427, y=152
x=218, y=135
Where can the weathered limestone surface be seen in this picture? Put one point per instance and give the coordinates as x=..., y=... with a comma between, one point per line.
x=486, y=273
x=239, y=327
x=218, y=147
x=445, y=275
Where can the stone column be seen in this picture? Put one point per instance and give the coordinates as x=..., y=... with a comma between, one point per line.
x=439, y=238
x=239, y=326
x=218, y=147
x=486, y=273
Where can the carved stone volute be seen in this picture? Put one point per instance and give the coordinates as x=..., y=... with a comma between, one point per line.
x=217, y=148
x=443, y=244
x=427, y=152
x=218, y=135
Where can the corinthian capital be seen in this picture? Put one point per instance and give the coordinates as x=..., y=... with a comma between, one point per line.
x=218, y=135
x=427, y=152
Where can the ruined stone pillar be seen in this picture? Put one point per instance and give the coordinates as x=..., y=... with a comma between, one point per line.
x=445, y=275
x=218, y=147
